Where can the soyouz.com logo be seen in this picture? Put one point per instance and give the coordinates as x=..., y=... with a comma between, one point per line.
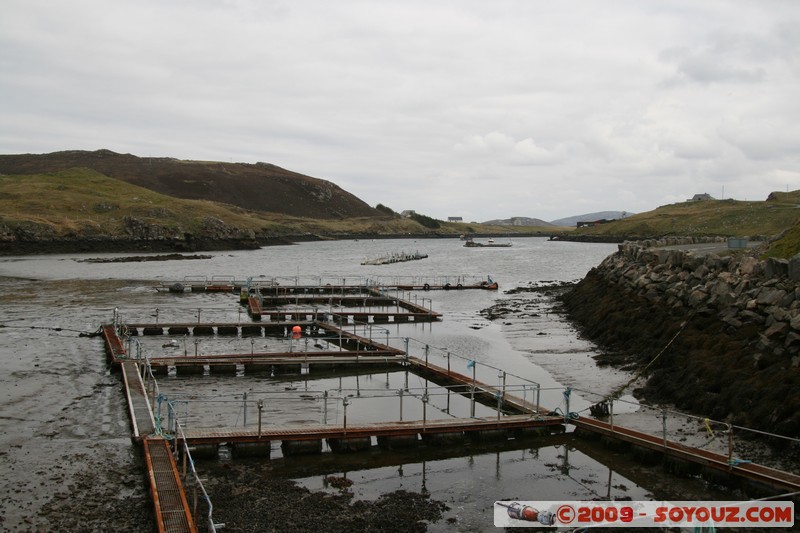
x=643, y=514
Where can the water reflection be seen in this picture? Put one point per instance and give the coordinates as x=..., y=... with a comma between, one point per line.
x=470, y=478
x=84, y=400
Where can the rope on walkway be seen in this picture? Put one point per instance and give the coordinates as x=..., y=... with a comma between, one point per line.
x=159, y=430
x=617, y=393
x=96, y=333
x=572, y=415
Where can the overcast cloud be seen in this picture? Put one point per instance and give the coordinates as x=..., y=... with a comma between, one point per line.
x=452, y=108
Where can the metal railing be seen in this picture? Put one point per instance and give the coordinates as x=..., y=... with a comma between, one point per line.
x=174, y=432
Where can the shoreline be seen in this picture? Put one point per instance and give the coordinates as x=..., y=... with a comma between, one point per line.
x=126, y=245
x=99, y=485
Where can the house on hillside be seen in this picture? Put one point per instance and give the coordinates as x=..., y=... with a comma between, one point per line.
x=700, y=197
x=587, y=223
x=408, y=213
x=455, y=219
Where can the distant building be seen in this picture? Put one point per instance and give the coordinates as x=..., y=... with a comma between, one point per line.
x=700, y=197
x=408, y=213
x=455, y=219
x=585, y=223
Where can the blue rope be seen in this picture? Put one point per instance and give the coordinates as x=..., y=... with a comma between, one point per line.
x=572, y=415
x=157, y=420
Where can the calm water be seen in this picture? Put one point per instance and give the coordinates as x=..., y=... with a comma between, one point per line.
x=57, y=397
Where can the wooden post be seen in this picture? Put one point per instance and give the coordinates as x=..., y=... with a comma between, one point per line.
x=611, y=414
x=260, y=409
x=730, y=447
x=344, y=415
x=424, y=410
x=472, y=391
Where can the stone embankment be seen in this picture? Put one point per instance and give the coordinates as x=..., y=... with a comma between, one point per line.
x=719, y=334
x=739, y=291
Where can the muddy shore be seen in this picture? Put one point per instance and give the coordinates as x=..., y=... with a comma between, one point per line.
x=245, y=503
x=102, y=487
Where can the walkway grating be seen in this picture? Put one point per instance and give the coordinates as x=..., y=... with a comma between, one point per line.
x=138, y=404
x=373, y=429
x=769, y=476
x=169, y=497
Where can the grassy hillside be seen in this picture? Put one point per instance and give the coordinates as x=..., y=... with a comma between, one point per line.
x=255, y=187
x=774, y=220
x=730, y=218
x=83, y=202
x=80, y=203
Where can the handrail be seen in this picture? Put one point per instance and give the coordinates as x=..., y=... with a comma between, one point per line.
x=188, y=457
x=142, y=355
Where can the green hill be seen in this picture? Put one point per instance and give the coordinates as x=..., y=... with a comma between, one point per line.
x=82, y=202
x=258, y=187
x=768, y=219
x=107, y=201
x=85, y=210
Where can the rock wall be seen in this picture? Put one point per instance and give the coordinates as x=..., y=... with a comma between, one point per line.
x=721, y=333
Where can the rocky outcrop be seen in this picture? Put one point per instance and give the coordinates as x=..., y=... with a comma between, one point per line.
x=721, y=333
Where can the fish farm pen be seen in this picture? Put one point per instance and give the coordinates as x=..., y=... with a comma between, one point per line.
x=329, y=379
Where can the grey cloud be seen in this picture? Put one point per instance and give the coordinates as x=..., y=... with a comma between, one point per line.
x=407, y=103
x=710, y=66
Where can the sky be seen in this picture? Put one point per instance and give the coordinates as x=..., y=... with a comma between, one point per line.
x=482, y=110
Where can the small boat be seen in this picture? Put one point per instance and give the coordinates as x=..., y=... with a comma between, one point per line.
x=488, y=244
x=489, y=284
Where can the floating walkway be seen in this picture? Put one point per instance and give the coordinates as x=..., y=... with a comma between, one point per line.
x=169, y=497
x=769, y=477
x=254, y=307
x=166, y=488
x=415, y=428
x=400, y=257
x=139, y=406
x=286, y=286
x=515, y=416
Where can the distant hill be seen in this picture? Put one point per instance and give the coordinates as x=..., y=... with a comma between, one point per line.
x=80, y=209
x=589, y=217
x=773, y=220
x=83, y=210
x=256, y=187
x=518, y=221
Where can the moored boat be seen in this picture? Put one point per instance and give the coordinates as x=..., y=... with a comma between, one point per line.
x=488, y=244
